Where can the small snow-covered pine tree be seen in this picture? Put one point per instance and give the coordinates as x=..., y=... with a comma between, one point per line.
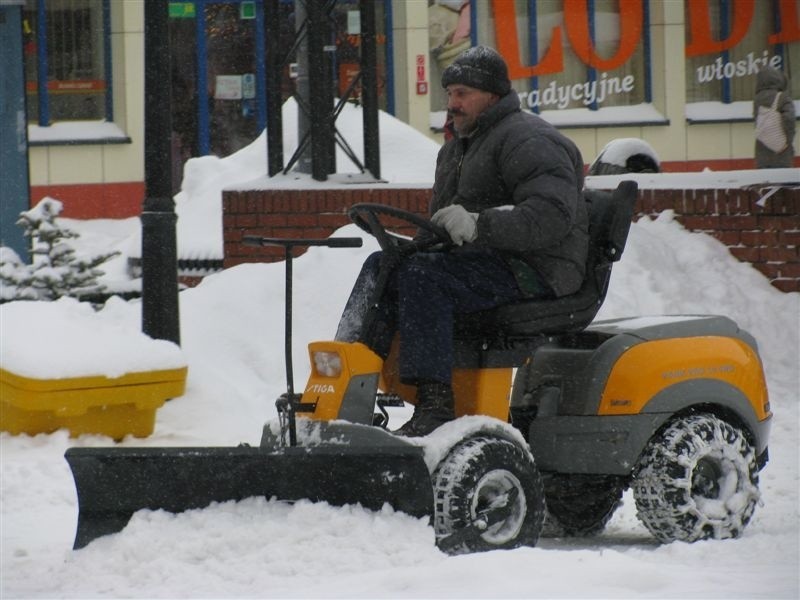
x=15, y=277
x=55, y=270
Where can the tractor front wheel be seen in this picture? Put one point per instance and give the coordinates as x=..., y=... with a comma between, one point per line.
x=488, y=495
x=697, y=479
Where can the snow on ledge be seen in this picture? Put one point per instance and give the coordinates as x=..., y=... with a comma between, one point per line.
x=704, y=180
x=76, y=131
x=637, y=114
x=718, y=112
x=304, y=181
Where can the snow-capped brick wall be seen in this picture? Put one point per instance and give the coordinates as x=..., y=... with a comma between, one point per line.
x=767, y=236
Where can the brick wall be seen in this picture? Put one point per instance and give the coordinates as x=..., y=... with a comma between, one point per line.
x=301, y=214
x=767, y=237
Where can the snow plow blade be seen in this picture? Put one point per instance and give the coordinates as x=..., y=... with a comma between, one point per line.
x=113, y=483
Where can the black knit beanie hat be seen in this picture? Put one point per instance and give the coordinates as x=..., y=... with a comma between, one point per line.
x=480, y=67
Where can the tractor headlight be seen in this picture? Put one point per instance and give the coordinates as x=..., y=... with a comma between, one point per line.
x=328, y=364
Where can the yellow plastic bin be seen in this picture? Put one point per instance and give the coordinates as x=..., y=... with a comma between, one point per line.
x=115, y=407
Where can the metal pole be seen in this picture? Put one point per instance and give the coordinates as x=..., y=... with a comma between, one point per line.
x=272, y=32
x=302, y=82
x=160, y=317
x=369, y=87
x=203, y=101
x=323, y=158
x=42, y=64
x=261, y=69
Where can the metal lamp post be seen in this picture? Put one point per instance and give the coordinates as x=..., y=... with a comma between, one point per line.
x=160, y=317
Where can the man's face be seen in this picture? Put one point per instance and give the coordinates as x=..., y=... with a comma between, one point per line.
x=465, y=104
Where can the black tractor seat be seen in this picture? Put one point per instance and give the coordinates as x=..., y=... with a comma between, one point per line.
x=514, y=325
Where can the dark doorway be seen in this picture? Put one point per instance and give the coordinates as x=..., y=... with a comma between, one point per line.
x=218, y=100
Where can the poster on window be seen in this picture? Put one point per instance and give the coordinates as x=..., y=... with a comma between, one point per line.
x=228, y=87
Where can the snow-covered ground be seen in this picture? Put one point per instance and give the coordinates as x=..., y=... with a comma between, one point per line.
x=232, y=340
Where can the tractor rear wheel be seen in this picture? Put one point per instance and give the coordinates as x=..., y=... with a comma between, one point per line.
x=696, y=479
x=488, y=495
x=579, y=505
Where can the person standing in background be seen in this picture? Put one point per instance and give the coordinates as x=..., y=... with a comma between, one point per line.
x=773, y=111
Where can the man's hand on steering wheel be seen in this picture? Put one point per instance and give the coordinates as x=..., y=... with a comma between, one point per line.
x=431, y=236
x=462, y=226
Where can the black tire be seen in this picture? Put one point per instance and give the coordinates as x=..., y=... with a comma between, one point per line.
x=476, y=475
x=697, y=479
x=579, y=505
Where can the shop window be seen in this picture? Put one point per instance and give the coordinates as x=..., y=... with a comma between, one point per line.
x=67, y=62
x=562, y=55
x=345, y=15
x=727, y=43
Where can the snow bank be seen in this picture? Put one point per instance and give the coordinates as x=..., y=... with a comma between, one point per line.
x=66, y=338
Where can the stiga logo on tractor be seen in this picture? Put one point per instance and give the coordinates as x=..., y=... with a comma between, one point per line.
x=321, y=388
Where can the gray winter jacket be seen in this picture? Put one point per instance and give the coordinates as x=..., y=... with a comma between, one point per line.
x=769, y=82
x=518, y=161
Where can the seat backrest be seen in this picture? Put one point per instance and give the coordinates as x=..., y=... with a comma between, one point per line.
x=610, y=215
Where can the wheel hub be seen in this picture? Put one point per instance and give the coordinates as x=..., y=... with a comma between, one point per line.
x=493, y=491
x=706, y=478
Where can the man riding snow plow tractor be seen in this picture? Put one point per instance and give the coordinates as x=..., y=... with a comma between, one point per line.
x=501, y=285
x=675, y=407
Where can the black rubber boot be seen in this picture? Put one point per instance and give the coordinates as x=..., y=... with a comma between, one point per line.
x=434, y=407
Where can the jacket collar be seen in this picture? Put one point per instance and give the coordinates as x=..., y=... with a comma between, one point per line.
x=499, y=110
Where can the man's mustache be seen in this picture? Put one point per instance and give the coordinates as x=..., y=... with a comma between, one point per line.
x=455, y=113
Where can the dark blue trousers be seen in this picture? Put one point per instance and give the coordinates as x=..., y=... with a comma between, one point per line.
x=424, y=295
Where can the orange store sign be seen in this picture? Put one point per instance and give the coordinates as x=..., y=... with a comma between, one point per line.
x=576, y=26
x=702, y=39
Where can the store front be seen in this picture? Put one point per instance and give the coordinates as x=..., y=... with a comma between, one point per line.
x=603, y=62
x=218, y=46
x=81, y=89
x=680, y=75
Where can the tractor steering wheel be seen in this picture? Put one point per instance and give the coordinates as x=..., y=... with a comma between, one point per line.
x=367, y=216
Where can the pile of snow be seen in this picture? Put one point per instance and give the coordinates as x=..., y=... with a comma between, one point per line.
x=199, y=203
x=40, y=338
x=232, y=340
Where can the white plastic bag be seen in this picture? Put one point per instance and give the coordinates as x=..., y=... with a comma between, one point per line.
x=769, y=129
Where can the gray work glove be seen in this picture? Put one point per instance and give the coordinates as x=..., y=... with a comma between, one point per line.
x=460, y=224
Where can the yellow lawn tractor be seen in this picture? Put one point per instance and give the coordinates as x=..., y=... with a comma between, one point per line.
x=557, y=414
